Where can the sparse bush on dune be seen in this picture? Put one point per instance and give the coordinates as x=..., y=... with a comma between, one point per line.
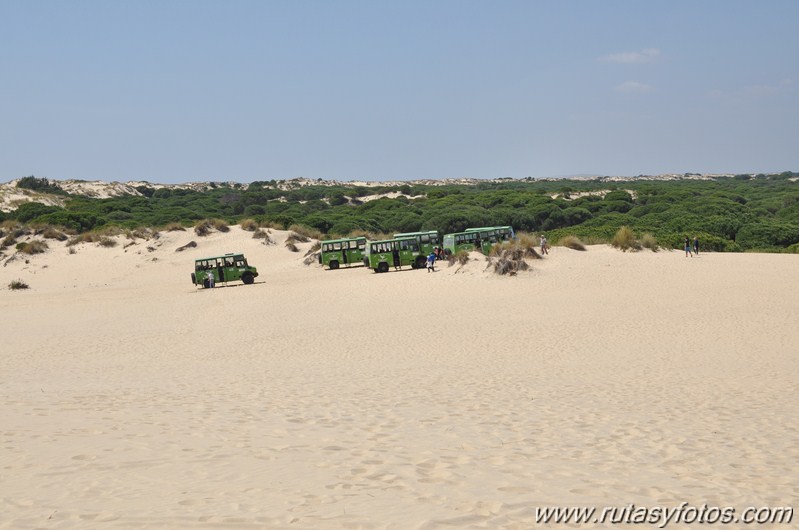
x=51, y=232
x=294, y=237
x=263, y=234
x=72, y=250
x=102, y=238
x=8, y=241
x=461, y=258
x=141, y=233
x=625, y=240
x=174, y=227
x=649, y=241
x=509, y=266
x=203, y=228
x=291, y=246
x=307, y=232
x=274, y=225
x=35, y=246
x=220, y=225
x=523, y=246
x=16, y=285
x=250, y=225
x=572, y=242
x=526, y=240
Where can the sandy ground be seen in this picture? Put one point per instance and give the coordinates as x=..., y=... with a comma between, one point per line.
x=348, y=399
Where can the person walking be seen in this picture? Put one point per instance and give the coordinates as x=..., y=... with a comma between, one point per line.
x=688, y=247
x=544, y=245
x=696, y=245
x=431, y=262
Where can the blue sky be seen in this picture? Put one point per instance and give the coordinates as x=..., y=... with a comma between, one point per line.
x=176, y=91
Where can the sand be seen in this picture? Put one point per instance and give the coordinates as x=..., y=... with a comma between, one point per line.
x=348, y=399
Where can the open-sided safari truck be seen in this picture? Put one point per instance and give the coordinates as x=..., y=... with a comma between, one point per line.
x=227, y=268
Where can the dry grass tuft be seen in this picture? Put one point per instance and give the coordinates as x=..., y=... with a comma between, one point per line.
x=106, y=242
x=32, y=247
x=16, y=285
x=294, y=237
x=624, y=239
x=509, y=266
x=461, y=258
x=291, y=246
x=175, y=227
x=203, y=228
x=649, y=241
x=50, y=232
x=524, y=244
x=572, y=242
x=220, y=225
x=307, y=232
x=263, y=234
x=250, y=225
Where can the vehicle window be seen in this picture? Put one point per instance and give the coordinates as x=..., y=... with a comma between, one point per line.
x=425, y=238
x=336, y=246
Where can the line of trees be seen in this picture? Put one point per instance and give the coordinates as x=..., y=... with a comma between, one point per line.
x=727, y=214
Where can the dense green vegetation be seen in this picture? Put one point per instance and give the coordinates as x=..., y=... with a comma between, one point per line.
x=727, y=214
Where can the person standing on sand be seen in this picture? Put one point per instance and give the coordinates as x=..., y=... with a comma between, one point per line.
x=688, y=247
x=210, y=276
x=696, y=245
x=431, y=262
x=544, y=244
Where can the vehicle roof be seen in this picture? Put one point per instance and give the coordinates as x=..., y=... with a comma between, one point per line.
x=343, y=239
x=393, y=239
x=222, y=256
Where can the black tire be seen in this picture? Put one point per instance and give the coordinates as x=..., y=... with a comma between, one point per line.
x=333, y=265
x=193, y=279
x=420, y=262
x=382, y=267
x=247, y=278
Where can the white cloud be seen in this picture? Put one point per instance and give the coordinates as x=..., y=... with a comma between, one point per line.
x=644, y=56
x=634, y=87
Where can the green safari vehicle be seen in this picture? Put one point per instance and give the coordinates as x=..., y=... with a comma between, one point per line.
x=227, y=268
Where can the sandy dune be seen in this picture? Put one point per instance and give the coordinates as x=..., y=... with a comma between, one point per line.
x=347, y=399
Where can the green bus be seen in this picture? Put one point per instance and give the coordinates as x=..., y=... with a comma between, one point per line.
x=495, y=233
x=227, y=268
x=427, y=240
x=480, y=239
x=337, y=252
x=397, y=253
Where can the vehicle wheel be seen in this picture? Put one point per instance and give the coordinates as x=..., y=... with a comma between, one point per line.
x=382, y=267
x=333, y=265
x=247, y=278
x=193, y=279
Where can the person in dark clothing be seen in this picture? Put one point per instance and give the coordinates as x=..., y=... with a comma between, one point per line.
x=696, y=246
